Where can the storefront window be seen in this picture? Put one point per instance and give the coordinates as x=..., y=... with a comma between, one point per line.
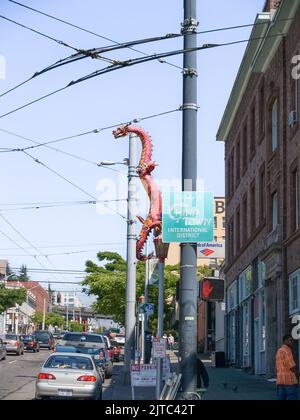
x=294, y=292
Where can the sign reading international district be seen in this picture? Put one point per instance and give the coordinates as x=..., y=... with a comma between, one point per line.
x=188, y=217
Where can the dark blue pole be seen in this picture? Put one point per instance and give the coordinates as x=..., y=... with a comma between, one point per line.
x=188, y=281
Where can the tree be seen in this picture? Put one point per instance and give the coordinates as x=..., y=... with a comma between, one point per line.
x=76, y=327
x=51, y=318
x=108, y=284
x=37, y=319
x=11, y=297
x=11, y=276
x=23, y=276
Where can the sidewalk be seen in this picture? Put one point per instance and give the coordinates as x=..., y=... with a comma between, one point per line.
x=116, y=390
x=236, y=385
x=225, y=384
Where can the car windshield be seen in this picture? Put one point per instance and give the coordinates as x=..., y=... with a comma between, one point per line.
x=42, y=336
x=69, y=362
x=11, y=337
x=88, y=338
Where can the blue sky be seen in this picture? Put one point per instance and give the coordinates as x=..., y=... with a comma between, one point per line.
x=116, y=97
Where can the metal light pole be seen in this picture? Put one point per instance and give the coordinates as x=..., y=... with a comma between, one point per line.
x=130, y=309
x=188, y=280
x=130, y=315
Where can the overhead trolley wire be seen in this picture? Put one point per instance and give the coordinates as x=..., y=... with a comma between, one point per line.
x=82, y=134
x=132, y=62
x=86, y=30
x=72, y=183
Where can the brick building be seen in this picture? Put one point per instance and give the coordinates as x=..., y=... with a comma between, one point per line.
x=260, y=128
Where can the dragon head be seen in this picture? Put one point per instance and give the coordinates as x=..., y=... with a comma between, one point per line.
x=121, y=131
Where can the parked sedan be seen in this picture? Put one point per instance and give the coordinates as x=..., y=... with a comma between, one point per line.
x=3, y=352
x=13, y=344
x=69, y=376
x=30, y=343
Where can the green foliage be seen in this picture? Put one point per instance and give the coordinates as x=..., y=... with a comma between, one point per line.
x=76, y=327
x=10, y=297
x=108, y=284
x=37, y=319
x=23, y=275
x=50, y=319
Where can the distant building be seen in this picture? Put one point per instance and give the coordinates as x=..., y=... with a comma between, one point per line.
x=70, y=299
x=18, y=318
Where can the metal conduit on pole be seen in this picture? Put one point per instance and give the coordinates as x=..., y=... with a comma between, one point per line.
x=130, y=315
x=188, y=278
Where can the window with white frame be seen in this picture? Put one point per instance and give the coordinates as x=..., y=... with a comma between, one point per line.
x=294, y=292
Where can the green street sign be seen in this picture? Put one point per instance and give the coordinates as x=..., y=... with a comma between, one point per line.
x=188, y=217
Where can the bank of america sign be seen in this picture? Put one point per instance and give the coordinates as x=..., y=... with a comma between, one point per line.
x=210, y=250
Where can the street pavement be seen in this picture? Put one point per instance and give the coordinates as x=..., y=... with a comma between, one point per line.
x=18, y=374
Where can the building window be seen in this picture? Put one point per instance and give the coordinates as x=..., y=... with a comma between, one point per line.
x=294, y=108
x=262, y=110
x=275, y=125
x=275, y=217
x=294, y=293
x=245, y=147
x=253, y=207
x=295, y=200
x=238, y=230
x=262, y=195
x=253, y=131
x=238, y=161
x=230, y=175
x=231, y=239
x=245, y=219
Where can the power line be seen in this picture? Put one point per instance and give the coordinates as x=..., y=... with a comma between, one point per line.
x=47, y=206
x=55, y=149
x=39, y=33
x=72, y=183
x=94, y=131
x=86, y=30
x=97, y=244
x=95, y=52
x=28, y=242
x=133, y=62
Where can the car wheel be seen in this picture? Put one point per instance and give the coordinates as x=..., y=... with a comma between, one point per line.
x=18, y=353
x=38, y=350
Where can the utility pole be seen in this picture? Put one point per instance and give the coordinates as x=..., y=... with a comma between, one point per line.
x=160, y=324
x=188, y=278
x=130, y=314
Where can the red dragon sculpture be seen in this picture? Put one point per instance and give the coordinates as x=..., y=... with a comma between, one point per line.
x=153, y=223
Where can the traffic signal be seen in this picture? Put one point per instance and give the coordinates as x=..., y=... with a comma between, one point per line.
x=212, y=289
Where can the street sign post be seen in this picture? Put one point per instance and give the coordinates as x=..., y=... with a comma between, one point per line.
x=159, y=348
x=188, y=217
